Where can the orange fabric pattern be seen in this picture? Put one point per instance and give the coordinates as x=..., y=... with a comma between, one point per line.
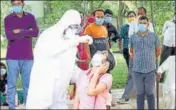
x=96, y=31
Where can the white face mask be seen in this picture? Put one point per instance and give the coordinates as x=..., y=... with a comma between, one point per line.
x=96, y=60
x=3, y=71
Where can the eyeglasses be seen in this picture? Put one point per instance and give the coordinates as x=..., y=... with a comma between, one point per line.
x=74, y=26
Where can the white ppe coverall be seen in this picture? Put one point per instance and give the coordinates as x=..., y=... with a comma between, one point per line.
x=54, y=61
x=168, y=66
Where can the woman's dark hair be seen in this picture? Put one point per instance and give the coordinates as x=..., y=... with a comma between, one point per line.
x=17, y=0
x=96, y=11
x=111, y=61
x=2, y=65
x=130, y=13
x=144, y=18
x=108, y=11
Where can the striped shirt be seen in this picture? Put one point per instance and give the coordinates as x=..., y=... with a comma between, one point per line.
x=144, y=51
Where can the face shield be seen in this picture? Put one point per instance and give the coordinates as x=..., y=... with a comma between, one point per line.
x=102, y=57
x=99, y=58
x=72, y=31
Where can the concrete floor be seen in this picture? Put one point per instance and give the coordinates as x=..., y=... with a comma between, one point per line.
x=116, y=94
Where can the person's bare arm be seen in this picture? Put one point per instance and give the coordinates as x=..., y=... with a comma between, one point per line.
x=131, y=48
x=158, y=52
x=87, y=51
x=76, y=101
x=95, y=86
x=87, y=31
x=157, y=46
x=107, y=45
x=131, y=52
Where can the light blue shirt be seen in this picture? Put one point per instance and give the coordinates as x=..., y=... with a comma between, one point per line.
x=144, y=51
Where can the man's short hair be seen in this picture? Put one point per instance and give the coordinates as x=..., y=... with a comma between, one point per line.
x=97, y=10
x=143, y=9
x=17, y=0
x=144, y=18
x=130, y=13
x=108, y=11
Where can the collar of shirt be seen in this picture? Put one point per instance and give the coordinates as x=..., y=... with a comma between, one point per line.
x=146, y=34
x=15, y=15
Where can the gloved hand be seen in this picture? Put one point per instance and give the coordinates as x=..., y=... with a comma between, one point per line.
x=86, y=39
x=73, y=42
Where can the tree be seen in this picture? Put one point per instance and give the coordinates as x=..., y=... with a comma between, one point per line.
x=121, y=13
x=162, y=11
x=142, y=3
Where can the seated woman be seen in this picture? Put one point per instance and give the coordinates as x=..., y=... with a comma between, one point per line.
x=92, y=90
x=3, y=83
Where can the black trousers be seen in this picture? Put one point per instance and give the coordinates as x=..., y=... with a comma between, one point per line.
x=166, y=52
x=126, y=56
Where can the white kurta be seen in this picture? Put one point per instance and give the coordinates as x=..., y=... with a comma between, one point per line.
x=169, y=34
x=54, y=59
x=168, y=66
x=133, y=27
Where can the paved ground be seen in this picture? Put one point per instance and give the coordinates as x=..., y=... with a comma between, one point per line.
x=116, y=94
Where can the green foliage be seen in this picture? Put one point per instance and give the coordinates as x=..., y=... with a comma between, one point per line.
x=4, y=12
x=162, y=12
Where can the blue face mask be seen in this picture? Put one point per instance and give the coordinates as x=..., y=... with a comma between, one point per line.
x=142, y=27
x=3, y=71
x=108, y=19
x=99, y=21
x=17, y=9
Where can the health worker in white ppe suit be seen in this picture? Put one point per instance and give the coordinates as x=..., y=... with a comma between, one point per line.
x=54, y=63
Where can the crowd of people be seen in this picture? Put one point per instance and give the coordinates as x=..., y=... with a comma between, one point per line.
x=77, y=50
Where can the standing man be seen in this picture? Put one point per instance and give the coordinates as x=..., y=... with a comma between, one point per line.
x=113, y=34
x=168, y=42
x=144, y=51
x=133, y=28
x=134, y=25
x=99, y=34
x=129, y=87
x=20, y=27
